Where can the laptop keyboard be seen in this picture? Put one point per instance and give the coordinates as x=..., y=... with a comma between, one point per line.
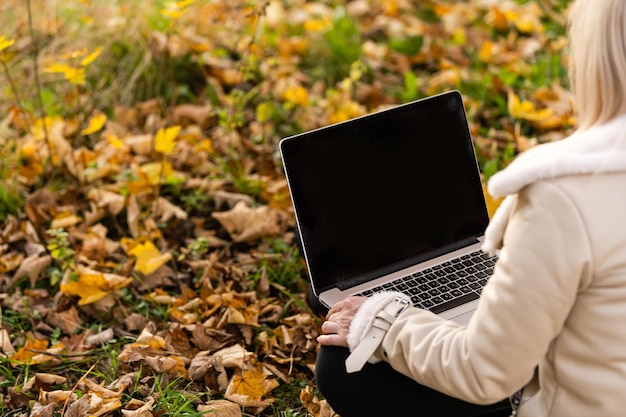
x=446, y=285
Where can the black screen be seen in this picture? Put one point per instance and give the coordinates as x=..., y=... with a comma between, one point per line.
x=373, y=193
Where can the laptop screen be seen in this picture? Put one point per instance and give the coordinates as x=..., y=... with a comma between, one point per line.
x=384, y=190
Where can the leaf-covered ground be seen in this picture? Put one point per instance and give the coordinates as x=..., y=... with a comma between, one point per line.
x=148, y=261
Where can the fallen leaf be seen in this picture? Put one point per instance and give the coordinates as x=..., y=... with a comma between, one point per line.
x=96, y=123
x=221, y=408
x=165, y=140
x=92, y=285
x=149, y=258
x=137, y=408
x=250, y=388
x=247, y=224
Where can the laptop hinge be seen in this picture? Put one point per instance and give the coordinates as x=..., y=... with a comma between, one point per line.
x=349, y=283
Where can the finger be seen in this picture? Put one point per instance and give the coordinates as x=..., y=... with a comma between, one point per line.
x=332, y=340
x=336, y=308
x=330, y=327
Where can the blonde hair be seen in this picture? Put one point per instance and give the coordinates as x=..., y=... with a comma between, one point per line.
x=597, y=65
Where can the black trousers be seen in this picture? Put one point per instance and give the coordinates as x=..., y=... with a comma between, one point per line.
x=378, y=390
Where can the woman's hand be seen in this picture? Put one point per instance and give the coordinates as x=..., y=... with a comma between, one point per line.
x=338, y=320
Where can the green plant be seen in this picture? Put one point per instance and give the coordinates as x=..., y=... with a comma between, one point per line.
x=410, y=91
x=199, y=246
x=173, y=401
x=288, y=271
x=339, y=47
x=61, y=251
x=11, y=200
x=288, y=403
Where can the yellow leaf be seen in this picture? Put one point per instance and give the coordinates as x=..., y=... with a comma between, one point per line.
x=498, y=19
x=491, y=202
x=5, y=43
x=96, y=122
x=116, y=142
x=91, y=57
x=73, y=75
x=149, y=259
x=297, y=95
x=76, y=76
x=92, y=286
x=205, y=145
x=486, y=52
x=527, y=19
x=155, y=172
x=250, y=387
x=264, y=112
x=165, y=140
x=65, y=219
x=317, y=25
x=57, y=67
x=26, y=353
x=526, y=110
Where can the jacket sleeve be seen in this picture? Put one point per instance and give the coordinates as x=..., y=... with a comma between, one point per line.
x=545, y=259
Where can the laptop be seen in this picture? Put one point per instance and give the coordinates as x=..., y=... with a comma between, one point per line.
x=393, y=201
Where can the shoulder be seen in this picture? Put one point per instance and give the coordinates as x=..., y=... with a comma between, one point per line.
x=587, y=192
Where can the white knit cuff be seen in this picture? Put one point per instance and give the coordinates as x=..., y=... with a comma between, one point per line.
x=366, y=314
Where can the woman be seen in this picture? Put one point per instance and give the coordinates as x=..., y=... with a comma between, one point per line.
x=550, y=329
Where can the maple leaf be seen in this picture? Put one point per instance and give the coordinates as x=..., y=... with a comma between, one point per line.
x=149, y=258
x=92, y=286
x=165, y=140
x=250, y=388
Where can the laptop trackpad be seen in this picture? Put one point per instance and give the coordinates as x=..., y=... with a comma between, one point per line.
x=461, y=314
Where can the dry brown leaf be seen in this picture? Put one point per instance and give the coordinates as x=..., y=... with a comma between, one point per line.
x=33, y=266
x=78, y=408
x=41, y=380
x=222, y=198
x=246, y=224
x=10, y=261
x=166, y=211
x=39, y=410
x=100, y=338
x=221, y=408
x=67, y=320
x=137, y=408
x=57, y=396
x=140, y=144
x=112, y=201
x=135, y=321
x=231, y=357
x=5, y=343
x=200, y=115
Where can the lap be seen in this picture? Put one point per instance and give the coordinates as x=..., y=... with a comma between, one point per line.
x=379, y=390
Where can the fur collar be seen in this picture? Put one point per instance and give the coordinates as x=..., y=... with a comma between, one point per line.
x=600, y=149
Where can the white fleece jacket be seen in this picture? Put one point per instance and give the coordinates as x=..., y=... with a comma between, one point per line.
x=557, y=299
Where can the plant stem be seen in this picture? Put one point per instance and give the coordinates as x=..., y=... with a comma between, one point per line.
x=39, y=101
